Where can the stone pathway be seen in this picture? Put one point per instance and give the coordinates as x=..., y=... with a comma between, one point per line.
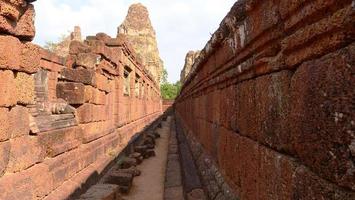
x=173, y=182
x=158, y=177
x=150, y=184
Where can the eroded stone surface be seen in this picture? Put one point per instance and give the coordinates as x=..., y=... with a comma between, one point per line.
x=138, y=29
x=190, y=59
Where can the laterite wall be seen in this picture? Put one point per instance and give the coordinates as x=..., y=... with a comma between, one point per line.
x=269, y=108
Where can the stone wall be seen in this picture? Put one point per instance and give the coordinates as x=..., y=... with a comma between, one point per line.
x=167, y=104
x=270, y=104
x=63, y=120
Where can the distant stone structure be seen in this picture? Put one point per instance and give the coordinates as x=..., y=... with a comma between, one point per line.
x=266, y=111
x=62, y=48
x=190, y=59
x=139, y=31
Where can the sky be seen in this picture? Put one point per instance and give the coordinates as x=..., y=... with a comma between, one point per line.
x=181, y=25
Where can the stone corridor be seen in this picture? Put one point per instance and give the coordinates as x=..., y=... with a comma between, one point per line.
x=266, y=110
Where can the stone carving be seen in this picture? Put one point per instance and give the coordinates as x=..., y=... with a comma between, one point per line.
x=138, y=29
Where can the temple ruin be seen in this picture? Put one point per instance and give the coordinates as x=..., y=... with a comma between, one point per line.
x=266, y=110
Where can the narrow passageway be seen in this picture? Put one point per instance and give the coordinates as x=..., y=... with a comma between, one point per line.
x=151, y=169
x=150, y=184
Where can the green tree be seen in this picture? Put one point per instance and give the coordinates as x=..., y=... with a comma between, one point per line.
x=164, y=77
x=168, y=90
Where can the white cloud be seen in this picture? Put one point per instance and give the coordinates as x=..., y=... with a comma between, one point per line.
x=181, y=25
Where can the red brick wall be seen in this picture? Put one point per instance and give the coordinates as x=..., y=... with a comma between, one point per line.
x=64, y=119
x=272, y=99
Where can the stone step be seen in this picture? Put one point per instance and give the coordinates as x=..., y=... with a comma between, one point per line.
x=137, y=156
x=124, y=180
x=102, y=192
x=132, y=170
x=149, y=153
x=127, y=163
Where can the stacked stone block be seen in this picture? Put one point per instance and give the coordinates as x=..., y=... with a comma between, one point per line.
x=271, y=100
x=63, y=120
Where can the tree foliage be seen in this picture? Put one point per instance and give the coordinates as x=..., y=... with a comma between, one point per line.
x=169, y=91
x=164, y=77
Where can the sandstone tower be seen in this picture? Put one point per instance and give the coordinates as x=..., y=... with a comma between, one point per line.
x=138, y=29
x=190, y=59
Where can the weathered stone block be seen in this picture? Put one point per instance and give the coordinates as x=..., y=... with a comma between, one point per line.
x=85, y=113
x=59, y=136
x=87, y=60
x=4, y=156
x=137, y=156
x=227, y=106
x=25, y=28
x=73, y=93
x=5, y=121
x=275, y=175
x=102, y=192
x=149, y=153
x=99, y=97
x=262, y=15
x=272, y=110
x=306, y=42
x=10, y=52
x=128, y=163
x=297, y=11
x=59, y=148
x=25, y=152
x=119, y=178
x=89, y=93
x=248, y=156
x=6, y=25
x=41, y=180
x=25, y=88
x=17, y=56
x=245, y=121
x=30, y=58
x=132, y=170
x=19, y=2
x=322, y=121
x=79, y=75
x=307, y=185
x=19, y=121
x=9, y=11
x=77, y=47
x=102, y=83
x=16, y=187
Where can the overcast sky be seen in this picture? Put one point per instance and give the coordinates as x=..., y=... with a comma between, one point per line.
x=181, y=25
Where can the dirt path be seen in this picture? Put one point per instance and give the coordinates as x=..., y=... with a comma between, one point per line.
x=150, y=184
